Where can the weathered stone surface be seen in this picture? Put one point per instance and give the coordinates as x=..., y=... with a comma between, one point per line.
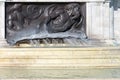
x=60, y=63
x=98, y=20
x=2, y=19
x=62, y=57
x=117, y=19
x=64, y=62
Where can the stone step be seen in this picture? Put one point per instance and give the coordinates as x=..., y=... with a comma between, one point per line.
x=60, y=63
x=60, y=74
x=61, y=57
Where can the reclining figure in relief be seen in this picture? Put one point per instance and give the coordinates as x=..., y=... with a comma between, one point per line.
x=27, y=21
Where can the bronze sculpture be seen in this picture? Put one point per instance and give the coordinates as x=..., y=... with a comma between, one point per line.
x=31, y=21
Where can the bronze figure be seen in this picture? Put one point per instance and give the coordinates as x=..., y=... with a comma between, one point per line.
x=35, y=21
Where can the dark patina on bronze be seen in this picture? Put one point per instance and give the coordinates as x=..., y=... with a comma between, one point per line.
x=37, y=21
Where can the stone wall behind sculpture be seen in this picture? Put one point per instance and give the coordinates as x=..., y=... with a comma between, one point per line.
x=2, y=15
x=117, y=19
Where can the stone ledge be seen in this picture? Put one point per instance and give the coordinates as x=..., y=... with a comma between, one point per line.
x=23, y=73
x=60, y=63
x=60, y=57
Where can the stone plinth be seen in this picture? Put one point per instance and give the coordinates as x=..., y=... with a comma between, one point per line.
x=60, y=62
x=92, y=62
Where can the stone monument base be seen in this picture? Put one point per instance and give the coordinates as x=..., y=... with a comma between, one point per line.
x=62, y=63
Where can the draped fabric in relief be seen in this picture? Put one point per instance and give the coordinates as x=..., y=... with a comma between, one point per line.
x=43, y=20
